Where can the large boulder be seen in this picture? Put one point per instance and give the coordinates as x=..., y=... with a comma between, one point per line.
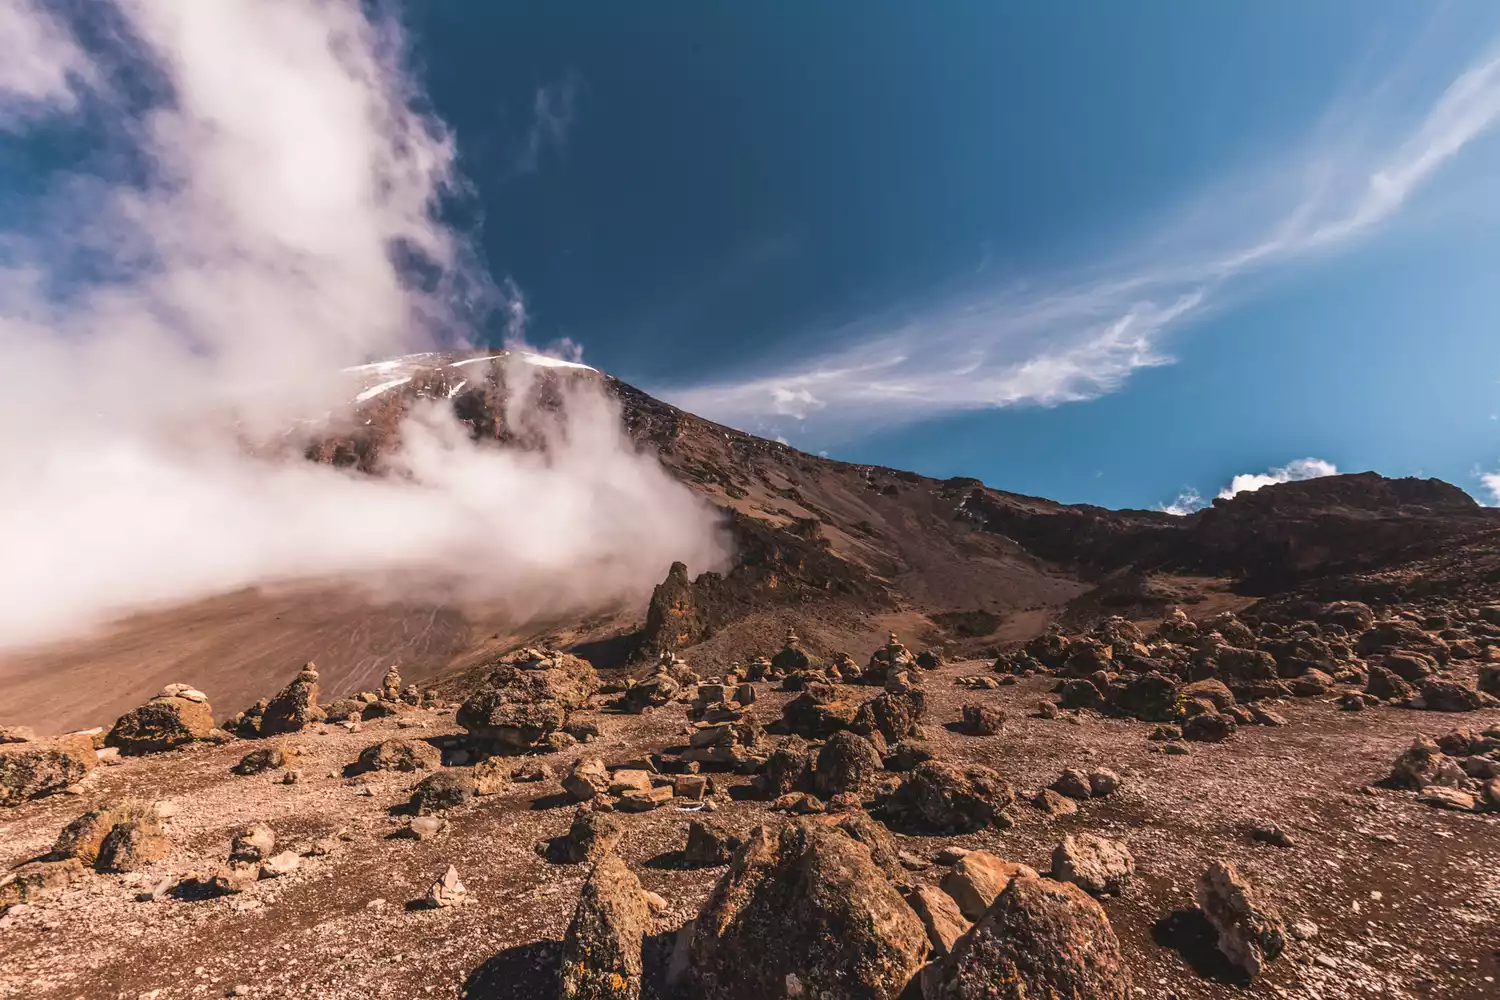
x=789, y=768
x=1443, y=694
x=892, y=714
x=951, y=798
x=940, y=916
x=177, y=716
x=1250, y=930
x=805, y=911
x=1041, y=940
x=1423, y=765
x=601, y=953
x=1151, y=697
x=39, y=880
x=847, y=763
x=528, y=695
x=1097, y=865
x=31, y=770
x=132, y=845
x=592, y=835
x=295, y=706
x=819, y=711
x=395, y=755
x=978, y=878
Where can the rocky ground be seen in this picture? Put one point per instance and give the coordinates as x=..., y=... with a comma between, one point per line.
x=1379, y=892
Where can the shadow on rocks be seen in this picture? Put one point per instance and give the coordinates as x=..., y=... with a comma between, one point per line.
x=668, y=861
x=1189, y=933
x=525, y=972
x=554, y=801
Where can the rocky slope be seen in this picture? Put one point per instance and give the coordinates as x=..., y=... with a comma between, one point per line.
x=1251, y=752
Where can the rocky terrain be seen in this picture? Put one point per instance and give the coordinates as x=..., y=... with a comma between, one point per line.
x=924, y=739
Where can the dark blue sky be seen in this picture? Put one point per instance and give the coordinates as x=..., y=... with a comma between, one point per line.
x=717, y=193
x=1109, y=252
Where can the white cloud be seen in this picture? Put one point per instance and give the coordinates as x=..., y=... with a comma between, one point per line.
x=1190, y=501
x=1491, y=483
x=1187, y=502
x=164, y=327
x=1294, y=471
x=1055, y=340
x=43, y=67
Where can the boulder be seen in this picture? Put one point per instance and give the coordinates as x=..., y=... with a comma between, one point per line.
x=892, y=714
x=940, y=917
x=395, y=754
x=294, y=707
x=132, y=845
x=978, y=878
x=950, y=798
x=1074, y=784
x=443, y=790
x=1080, y=693
x=1423, y=765
x=652, y=692
x=1442, y=694
x=30, y=770
x=1209, y=727
x=263, y=759
x=847, y=763
x=804, y=911
x=36, y=881
x=1097, y=865
x=252, y=844
x=818, y=711
x=1040, y=940
x=83, y=837
x=1210, y=691
x=588, y=778
x=982, y=720
x=788, y=769
x=709, y=846
x=528, y=695
x=1387, y=685
x=1103, y=783
x=1151, y=697
x=883, y=850
x=1251, y=931
x=592, y=835
x=163, y=723
x=601, y=952
x=1410, y=666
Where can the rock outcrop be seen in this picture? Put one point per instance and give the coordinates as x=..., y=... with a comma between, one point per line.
x=804, y=911
x=527, y=696
x=177, y=716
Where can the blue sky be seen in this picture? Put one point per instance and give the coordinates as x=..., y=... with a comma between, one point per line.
x=1107, y=253
x=751, y=209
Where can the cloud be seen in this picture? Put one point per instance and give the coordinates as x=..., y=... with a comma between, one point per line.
x=43, y=68
x=1294, y=471
x=268, y=216
x=1187, y=502
x=551, y=117
x=1190, y=500
x=1490, y=481
x=1059, y=339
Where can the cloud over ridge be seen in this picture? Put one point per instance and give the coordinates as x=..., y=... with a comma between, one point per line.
x=164, y=324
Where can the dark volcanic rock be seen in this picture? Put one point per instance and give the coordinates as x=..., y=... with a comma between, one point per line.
x=163, y=723
x=1041, y=939
x=528, y=695
x=847, y=763
x=952, y=798
x=31, y=770
x=601, y=953
x=806, y=912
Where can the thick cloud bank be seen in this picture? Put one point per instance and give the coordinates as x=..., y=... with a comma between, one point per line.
x=235, y=201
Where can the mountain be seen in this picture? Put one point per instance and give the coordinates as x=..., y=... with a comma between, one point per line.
x=842, y=553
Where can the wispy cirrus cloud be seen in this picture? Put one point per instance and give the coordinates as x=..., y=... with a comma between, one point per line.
x=552, y=110
x=1079, y=336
